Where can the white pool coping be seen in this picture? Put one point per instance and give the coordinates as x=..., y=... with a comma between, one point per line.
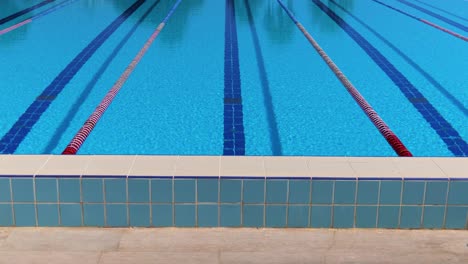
x=237, y=166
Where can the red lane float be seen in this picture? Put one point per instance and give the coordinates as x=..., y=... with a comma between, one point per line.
x=444, y=29
x=89, y=125
x=15, y=26
x=383, y=128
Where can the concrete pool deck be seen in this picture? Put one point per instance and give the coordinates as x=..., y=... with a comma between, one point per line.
x=256, y=166
x=220, y=245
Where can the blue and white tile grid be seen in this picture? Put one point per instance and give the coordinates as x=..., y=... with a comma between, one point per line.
x=121, y=201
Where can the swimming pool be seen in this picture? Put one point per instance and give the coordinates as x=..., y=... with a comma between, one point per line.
x=234, y=77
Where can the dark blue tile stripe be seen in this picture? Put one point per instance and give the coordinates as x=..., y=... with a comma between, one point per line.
x=52, y=9
x=397, y=10
x=442, y=10
x=431, y=79
x=234, y=138
x=275, y=141
x=24, y=11
x=442, y=18
x=313, y=178
x=13, y=138
x=442, y=127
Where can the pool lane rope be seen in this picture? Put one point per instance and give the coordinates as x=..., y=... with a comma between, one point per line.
x=427, y=22
x=36, y=17
x=89, y=125
x=383, y=128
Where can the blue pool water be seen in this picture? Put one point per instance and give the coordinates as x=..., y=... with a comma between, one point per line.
x=235, y=77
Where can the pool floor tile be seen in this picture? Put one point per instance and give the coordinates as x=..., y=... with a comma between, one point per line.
x=185, y=215
x=47, y=215
x=230, y=191
x=208, y=215
x=253, y=215
x=388, y=217
x=433, y=216
x=161, y=190
x=230, y=215
x=275, y=216
x=116, y=215
x=207, y=190
x=25, y=214
x=92, y=190
x=299, y=191
x=322, y=192
x=138, y=191
x=458, y=193
x=368, y=192
x=413, y=192
x=69, y=190
x=276, y=191
x=184, y=190
x=70, y=214
x=23, y=190
x=93, y=215
x=116, y=190
x=298, y=216
x=436, y=193
x=343, y=216
x=411, y=217
x=162, y=215
x=5, y=195
x=457, y=217
x=254, y=191
x=366, y=216
x=321, y=216
x=139, y=215
x=345, y=192
x=46, y=190
x=6, y=215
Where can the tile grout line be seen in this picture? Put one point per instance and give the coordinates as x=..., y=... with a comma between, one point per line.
x=219, y=203
x=402, y=189
x=196, y=202
x=173, y=201
x=34, y=189
x=150, y=189
x=444, y=224
x=264, y=201
x=126, y=189
x=421, y=222
x=85, y=170
x=378, y=205
x=287, y=203
x=104, y=194
x=356, y=189
x=58, y=202
x=242, y=204
x=309, y=221
x=13, y=215
x=333, y=206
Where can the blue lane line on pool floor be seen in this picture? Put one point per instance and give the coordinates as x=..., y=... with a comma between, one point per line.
x=24, y=11
x=13, y=138
x=431, y=79
x=442, y=18
x=442, y=127
x=55, y=139
x=275, y=141
x=234, y=138
x=442, y=10
x=52, y=9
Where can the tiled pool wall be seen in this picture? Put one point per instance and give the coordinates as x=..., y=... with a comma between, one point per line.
x=147, y=191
